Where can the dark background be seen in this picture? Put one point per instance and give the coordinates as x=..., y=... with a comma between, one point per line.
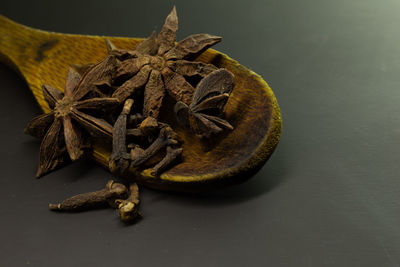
x=329, y=196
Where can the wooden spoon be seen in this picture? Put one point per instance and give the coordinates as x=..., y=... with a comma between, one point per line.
x=43, y=58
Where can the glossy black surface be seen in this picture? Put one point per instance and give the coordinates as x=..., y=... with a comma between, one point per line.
x=329, y=196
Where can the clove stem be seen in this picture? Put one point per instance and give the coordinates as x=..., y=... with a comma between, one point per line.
x=92, y=199
x=119, y=156
x=171, y=156
x=165, y=138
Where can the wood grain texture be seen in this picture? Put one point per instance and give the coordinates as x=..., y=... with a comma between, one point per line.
x=44, y=57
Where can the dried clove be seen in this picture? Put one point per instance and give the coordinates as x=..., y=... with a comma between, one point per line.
x=119, y=156
x=171, y=156
x=165, y=138
x=95, y=199
x=121, y=160
x=137, y=81
x=128, y=209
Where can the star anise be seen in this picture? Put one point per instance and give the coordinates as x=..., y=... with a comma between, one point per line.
x=97, y=76
x=161, y=66
x=209, y=99
x=59, y=128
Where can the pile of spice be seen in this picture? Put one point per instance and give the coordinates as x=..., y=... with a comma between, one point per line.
x=120, y=99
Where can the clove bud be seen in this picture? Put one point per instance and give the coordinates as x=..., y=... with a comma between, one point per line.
x=90, y=200
x=128, y=209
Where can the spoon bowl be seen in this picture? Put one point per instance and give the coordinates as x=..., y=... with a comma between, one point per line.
x=42, y=57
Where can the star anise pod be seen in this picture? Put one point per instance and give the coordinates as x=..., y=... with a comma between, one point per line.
x=160, y=65
x=96, y=77
x=59, y=128
x=209, y=99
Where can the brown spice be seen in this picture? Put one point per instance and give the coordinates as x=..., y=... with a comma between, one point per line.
x=121, y=160
x=155, y=68
x=172, y=155
x=209, y=99
x=161, y=66
x=59, y=128
x=128, y=209
x=95, y=199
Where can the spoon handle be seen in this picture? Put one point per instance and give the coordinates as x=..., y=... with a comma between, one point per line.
x=22, y=48
x=42, y=57
x=19, y=45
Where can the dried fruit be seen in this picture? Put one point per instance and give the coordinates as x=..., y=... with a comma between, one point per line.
x=121, y=160
x=92, y=200
x=59, y=128
x=138, y=81
x=115, y=195
x=128, y=209
x=160, y=66
x=209, y=99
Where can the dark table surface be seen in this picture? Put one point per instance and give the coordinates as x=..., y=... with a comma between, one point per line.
x=330, y=194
